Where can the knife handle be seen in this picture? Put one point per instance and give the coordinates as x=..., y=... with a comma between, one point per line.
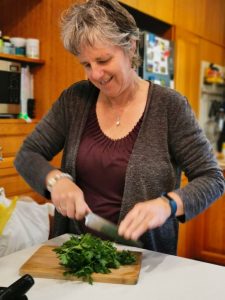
x=18, y=288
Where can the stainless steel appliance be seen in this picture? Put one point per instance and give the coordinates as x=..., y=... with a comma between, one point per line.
x=10, y=79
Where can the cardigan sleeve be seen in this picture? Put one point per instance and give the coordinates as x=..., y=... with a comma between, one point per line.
x=193, y=152
x=33, y=159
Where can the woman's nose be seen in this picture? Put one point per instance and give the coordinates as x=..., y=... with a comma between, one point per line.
x=96, y=73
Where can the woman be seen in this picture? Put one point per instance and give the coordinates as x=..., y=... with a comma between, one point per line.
x=125, y=140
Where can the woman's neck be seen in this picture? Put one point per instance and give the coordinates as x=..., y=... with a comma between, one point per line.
x=127, y=96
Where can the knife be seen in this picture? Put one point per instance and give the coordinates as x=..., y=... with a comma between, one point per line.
x=109, y=229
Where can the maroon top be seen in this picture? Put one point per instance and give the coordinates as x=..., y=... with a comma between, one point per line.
x=101, y=167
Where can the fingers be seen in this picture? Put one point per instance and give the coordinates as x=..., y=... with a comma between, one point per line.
x=69, y=201
x=135, y=223
x=81, y=210
x=72, y=208
x=144, y=216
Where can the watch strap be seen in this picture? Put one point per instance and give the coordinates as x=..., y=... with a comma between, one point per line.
x=172, y=204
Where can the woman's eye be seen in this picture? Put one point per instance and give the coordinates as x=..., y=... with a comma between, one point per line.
x=102, y=62
x=86, y=66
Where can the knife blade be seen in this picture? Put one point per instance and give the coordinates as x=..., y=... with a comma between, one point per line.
x=109, y=229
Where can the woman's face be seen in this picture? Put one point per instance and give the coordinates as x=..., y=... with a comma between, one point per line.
x=108, y=67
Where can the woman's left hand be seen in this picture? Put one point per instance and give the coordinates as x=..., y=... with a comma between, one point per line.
x=144, y=216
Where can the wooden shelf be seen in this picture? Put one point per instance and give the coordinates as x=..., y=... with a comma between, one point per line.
x=22, y=59
x=17, y=121
x=212, y=93
x=220, y=85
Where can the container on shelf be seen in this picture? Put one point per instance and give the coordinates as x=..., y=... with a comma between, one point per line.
x=19, y=44
x=33, y=48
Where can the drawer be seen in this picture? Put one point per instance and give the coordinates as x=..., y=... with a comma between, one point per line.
x=13, y=183
x=12, y=135
x=6, y=164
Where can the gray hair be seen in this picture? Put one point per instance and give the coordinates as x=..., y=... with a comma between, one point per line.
x=104, y=20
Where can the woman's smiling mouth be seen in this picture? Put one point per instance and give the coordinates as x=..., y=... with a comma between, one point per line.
x=105, y=81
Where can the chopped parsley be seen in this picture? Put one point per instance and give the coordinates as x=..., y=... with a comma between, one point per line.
x=85, y=254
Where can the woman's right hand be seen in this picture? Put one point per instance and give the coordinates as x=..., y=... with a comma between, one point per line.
x=68, y=199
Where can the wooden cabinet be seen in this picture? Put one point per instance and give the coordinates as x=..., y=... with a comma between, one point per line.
x=162, y=10
x=209, y=234
x=190, y=15
x=214, y=25
x=212, y=53
x=157, y=9
x=203, y=238
x=12, y=134
x=40, y=19
x=204, y=18
x=187, y=66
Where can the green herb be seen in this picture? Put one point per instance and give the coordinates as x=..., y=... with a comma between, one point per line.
x=85, y=254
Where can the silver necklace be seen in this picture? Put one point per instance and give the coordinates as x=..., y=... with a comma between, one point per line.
x=118, y=117
x=118, y=121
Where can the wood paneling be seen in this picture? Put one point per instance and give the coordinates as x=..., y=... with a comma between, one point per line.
x=190, y=15
x=40, y=19
x=214, y=25
x=187, y=66
x=204, y=18
x=162, y=10
x=212, y=53
x=12, y=134
x=210, y=234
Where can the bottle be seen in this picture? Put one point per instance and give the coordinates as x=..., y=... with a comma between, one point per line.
x=1, y=42
x=32, y=48
x=6, y=44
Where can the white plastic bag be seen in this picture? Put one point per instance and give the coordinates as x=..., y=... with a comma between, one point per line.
x=28, y=225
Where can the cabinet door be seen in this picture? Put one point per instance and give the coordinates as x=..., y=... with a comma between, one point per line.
x=214, y=25
x=203, y=238
x=162, y=10
x=12, y=134
x=190, y=15
x=212, y=53
x=187, y=66
x=210, y=234
x=204, y=18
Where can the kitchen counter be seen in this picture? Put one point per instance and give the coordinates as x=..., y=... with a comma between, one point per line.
x=161, y=277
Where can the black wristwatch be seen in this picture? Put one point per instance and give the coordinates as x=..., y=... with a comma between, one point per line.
x=172, y=203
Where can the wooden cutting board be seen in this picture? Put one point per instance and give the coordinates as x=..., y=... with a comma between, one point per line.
x=44, y=263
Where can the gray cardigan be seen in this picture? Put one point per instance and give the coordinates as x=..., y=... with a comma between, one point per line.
x=169, y=141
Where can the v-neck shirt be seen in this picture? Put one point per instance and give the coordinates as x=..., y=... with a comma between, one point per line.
x=101, y=167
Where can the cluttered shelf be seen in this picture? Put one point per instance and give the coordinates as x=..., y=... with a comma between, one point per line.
x=22, y=59
x=212, y=93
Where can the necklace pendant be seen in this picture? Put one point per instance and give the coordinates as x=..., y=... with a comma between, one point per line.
x=118, y=123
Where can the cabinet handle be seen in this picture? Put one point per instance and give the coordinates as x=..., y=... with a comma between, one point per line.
x=1, y=157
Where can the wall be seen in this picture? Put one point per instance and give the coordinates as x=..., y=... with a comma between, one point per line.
x=40, y=19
